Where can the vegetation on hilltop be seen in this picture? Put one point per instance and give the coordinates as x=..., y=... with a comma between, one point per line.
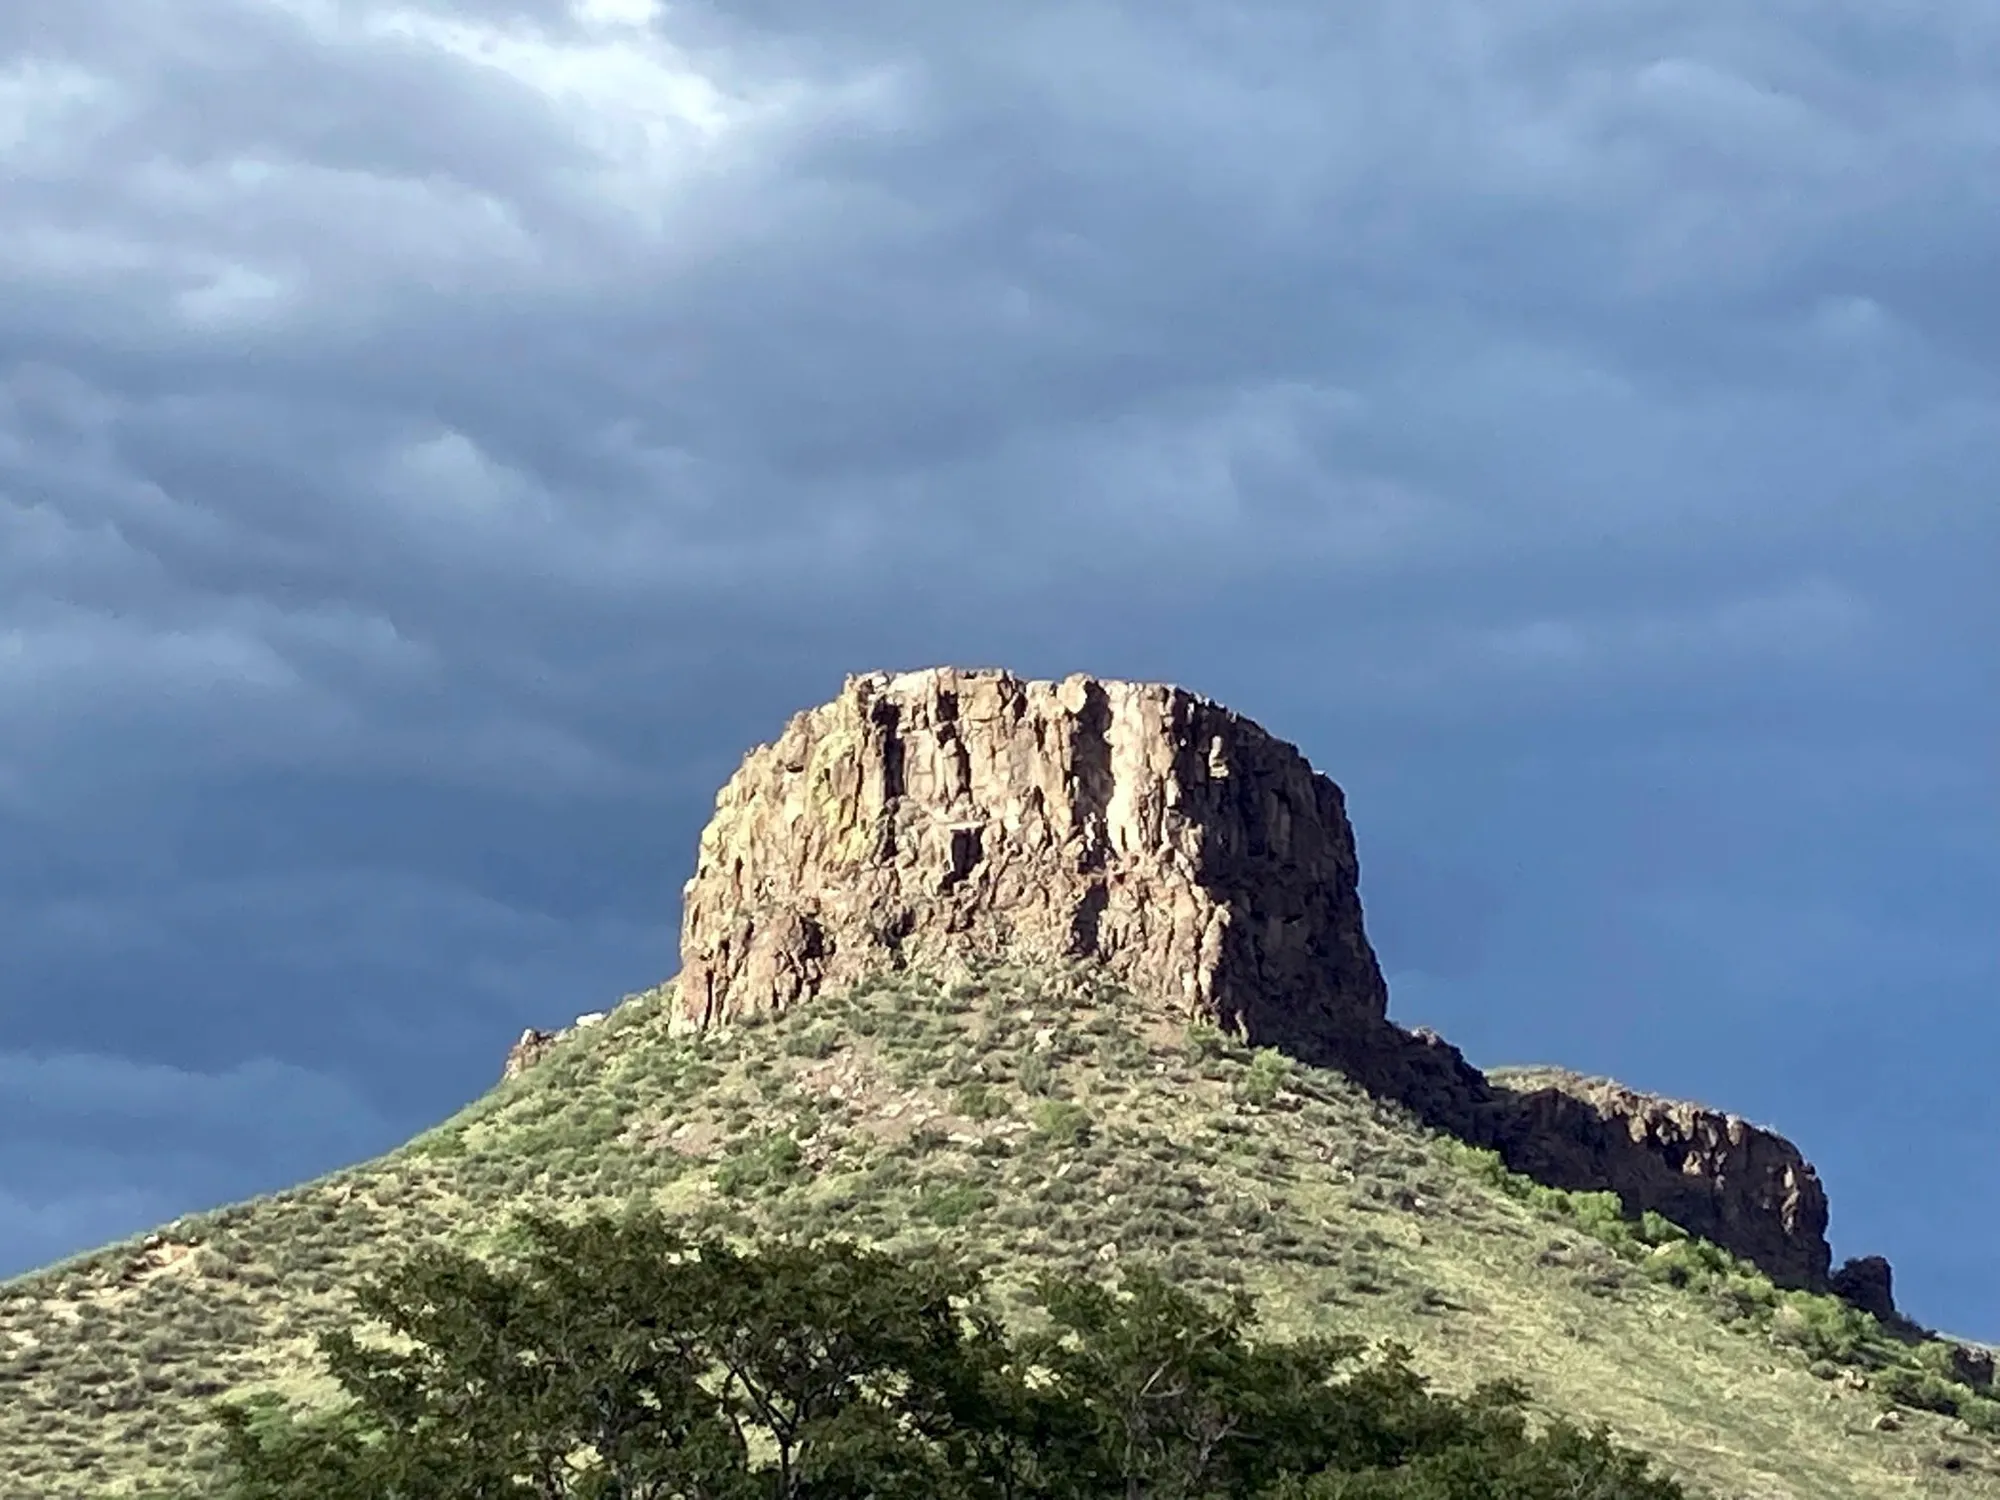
x=1031, y=1123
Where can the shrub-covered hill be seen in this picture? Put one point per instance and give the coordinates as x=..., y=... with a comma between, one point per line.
x=1033, y=1119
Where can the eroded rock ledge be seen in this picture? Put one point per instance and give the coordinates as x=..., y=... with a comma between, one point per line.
x=1713, y=1174
x=944, y=814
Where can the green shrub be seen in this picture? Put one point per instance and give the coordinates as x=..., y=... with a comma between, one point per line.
x=979, y=1101
x=1981, y=1414
x=1741, y=1295
x=1689, y=1263
x=1600, y=1215
x=1822, y=1328
x=1063, y=1124
x=759, y=1164
x=1920, y=1389
x=442, y=1144
x=1267, y=1073
x=1655, y=1229
x=1745, y=1297
x=951, y=1204
x=1037, y=1074
x=1482, y=1165
x=1204, y=1042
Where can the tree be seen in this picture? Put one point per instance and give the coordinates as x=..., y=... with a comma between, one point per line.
x=1177, y=1402
x=571, y=1375
x=617, y=1359
x=614, y=1359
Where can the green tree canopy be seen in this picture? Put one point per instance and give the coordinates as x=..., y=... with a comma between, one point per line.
x=614, y=1359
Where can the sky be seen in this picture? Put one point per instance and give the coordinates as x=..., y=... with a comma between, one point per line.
x=438, y=439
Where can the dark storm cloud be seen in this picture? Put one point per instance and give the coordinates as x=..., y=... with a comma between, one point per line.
x=436, y=440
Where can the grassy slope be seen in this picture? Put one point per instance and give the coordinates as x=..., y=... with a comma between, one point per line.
x=1034, y=1119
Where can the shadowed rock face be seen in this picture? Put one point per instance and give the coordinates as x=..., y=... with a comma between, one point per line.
x=936, y=816
x=1711, y=1173
x=1869, y=1284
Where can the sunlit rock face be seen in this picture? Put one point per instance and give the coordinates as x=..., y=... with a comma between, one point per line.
x=948, y=813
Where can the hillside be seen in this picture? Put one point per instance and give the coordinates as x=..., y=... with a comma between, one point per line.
x=1068, y=974
x=1033, y=1117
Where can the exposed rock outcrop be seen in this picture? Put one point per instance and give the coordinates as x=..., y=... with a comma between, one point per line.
x=934, y=816
x=1869, y=1284
x=942, y=813
x=1713, y=1174
x=1972, y=1365
x=535, y=1045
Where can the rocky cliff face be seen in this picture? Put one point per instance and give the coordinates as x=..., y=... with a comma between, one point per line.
x=937, y=815
x=947, y=813
x=1869, y=1284
x=1711, y=1173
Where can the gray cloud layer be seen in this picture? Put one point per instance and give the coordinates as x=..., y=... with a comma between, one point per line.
x=436, y=439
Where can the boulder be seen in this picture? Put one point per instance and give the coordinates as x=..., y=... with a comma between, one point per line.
x=1973, y=1366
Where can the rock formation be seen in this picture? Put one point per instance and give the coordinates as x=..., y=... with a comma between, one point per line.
x=948, y=813
x=937, y=815
x=1713, y=1174
x=1868, y=1284
x=535, y=1045
x=1971, y=1365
